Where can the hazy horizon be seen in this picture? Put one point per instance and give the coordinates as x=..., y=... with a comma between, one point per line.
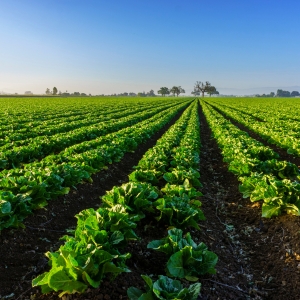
x=102, y=47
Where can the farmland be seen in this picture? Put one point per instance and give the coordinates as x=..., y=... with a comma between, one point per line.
x=222, y=172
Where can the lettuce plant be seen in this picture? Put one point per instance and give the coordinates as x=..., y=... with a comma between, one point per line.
x=179, y=174
x=91, y=253
x=164, y=288
x=136, y=197
x=186, y=259
x=179, y=206
x=278, y=195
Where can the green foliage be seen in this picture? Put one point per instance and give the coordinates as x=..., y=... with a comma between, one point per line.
x=94, y=249
x=91, y=253
x=136, y=197
x=186, y=259
x=40, y=181
x=164, y=289
x=179, y=206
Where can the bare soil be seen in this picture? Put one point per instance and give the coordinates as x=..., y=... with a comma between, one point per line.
x=258, y=258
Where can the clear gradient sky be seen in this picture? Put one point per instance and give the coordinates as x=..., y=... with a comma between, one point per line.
x=113, y=46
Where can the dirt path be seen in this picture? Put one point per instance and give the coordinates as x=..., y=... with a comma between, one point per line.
x=265, y=249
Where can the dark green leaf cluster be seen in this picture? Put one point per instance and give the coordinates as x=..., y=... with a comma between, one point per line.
x=91, y=253
x=186, y=259
x=164, y=288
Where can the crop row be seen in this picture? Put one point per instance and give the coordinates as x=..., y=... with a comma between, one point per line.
x=262, y=175
x=17, y=134
x=40, y=147
x=35, y=113
x=15, y=112
x=265, y=109
x=39, y=125
x=284, y=133
x=94, y=250
x=23, y=190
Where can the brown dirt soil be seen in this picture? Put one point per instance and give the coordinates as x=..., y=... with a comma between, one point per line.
x=269, y=248
x=257, y=257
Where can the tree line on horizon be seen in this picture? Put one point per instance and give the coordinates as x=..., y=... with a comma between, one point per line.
x=199, y=88
x=280, y=93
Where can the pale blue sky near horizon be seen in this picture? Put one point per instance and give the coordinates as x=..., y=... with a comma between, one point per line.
x=104, y=47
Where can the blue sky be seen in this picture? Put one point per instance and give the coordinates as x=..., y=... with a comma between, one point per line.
x=97, y=46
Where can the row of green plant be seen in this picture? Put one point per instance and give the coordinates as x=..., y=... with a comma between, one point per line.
x=21, y=112
x=20, y=134
x=18, y=131
x=39, y=147
x=265, y=109
x=262, y=175
x=95, y=248
x=29, y=188
x=283, y=133
x=52, y=117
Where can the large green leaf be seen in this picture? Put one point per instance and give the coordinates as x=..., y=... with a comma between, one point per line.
x=60, y=281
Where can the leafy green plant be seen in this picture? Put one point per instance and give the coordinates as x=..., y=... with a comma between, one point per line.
x=90, y=222
x=278, y=195
x=136, y=197
x=179, y=174
x=91, y=253
x=179, y=206
x=77, y=265
x=164, y=289
x=186, y=259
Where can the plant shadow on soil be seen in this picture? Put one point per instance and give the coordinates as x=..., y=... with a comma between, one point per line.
x=257, y=257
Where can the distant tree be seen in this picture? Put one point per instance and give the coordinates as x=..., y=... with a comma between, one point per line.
x=83, y=94
x=182, y=91
x=295, y=93
x=212, y=91
x=151, y=93
x=141, y=94
x=176, y=90
x=272, y=94
x=76, y=94
x=201, y=87
x=54, y=92
x=281, y=93
x=195, y=93
x=48, y=92
x=163, y=91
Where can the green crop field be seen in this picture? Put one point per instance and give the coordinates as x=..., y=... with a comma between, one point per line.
x=190, y=189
